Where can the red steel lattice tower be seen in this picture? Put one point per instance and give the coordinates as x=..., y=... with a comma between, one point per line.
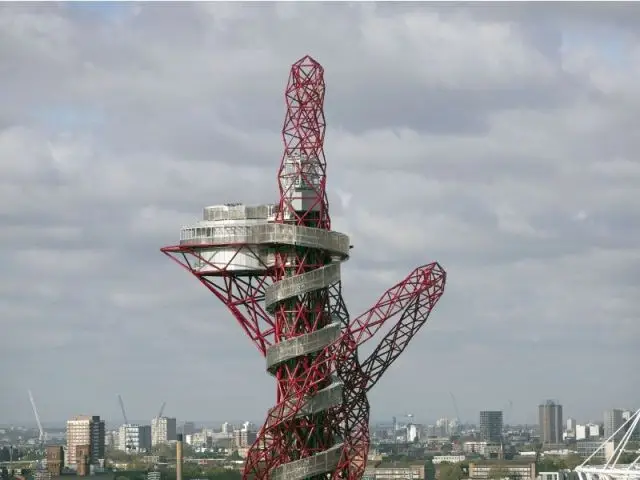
x=277, y=268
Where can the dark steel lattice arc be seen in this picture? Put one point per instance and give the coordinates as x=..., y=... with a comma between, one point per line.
x=277, y=269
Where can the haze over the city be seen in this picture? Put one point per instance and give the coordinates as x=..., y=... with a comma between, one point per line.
x=495, y=139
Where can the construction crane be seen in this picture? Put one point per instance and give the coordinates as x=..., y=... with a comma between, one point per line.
x=42, y=436
x=128, y=446
x=124, y=414
x=455, y=406
x=161, y=410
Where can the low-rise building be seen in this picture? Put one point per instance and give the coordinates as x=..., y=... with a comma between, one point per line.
x=448, y=458
x=561, y=475
x=395, y=472
x=502, y=469
x=485, y=449
x=586, y=448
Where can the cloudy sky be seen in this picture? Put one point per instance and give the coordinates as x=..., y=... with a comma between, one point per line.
x=497, y=140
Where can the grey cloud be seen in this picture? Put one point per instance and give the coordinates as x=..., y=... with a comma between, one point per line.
x=475, y=136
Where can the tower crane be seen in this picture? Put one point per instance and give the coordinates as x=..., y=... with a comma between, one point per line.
x=42, y=435
x=128, y=446
x=124, y=414
x=455, y=406
x=161, y=410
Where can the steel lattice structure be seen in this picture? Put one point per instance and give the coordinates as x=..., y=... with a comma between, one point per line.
x=617, y=443
x=277, y=269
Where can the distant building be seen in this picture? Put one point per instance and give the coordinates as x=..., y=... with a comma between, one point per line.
x=442, y=427
x=111, y=439
x=571, y=425
x=582, y=432
x=585, y=448
x=55, y=460
x=249, y=427
x=550, y=421
x=635, y=435
x=412, y=432
x=163, y=430
x=561, y=475
x=437, y=459
x=41, y=474
x=482, y=448
x=87, y=431
x=134, y=438
x=245, y=437
x=511, y=469
x=394, y=472
x=188, y=428
x=594, y=431
x=491, y=426
x=613, y=420
x=202, y=439
x=83, y=460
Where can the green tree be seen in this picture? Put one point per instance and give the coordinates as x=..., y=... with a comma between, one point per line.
x=191, y=470
x=235, y=455
x=429, y=470
x=627, y=458
x=165, y=450
x=227, y=475
x=573, y=460
x=118, y=455
x=450, y=471
x=548, y=464
x=510, y=452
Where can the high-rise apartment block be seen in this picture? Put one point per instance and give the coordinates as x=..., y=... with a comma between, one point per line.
x=245, y=436
x=85, y=430
x=188, y=428
x=491, y=426
x=613, y=420
x=163, y=430
x=134, y=438
x=626, y=416
x=550, y=421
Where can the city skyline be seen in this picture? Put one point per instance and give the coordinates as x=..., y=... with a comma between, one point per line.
x=418, y=419
x=518, y=175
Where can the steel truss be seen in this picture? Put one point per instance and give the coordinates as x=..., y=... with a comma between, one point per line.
x=290, y=303
x=612, y=469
